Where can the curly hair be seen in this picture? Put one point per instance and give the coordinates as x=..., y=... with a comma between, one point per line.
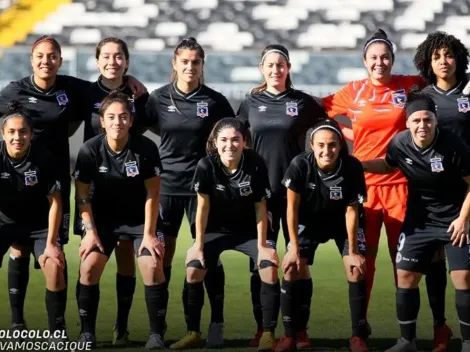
x=434, y=42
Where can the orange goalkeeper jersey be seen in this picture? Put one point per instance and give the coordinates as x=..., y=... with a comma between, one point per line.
x=377, y=114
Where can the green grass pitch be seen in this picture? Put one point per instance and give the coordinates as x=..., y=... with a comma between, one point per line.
x=329, y=325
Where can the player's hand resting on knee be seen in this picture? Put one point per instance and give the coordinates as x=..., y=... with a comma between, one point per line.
x=459, y=230
x=54, y=253
x=291, y=260
x=266, y=253
x=89, y=243
x=356, y=261
x=195, y=252
x=154, y=246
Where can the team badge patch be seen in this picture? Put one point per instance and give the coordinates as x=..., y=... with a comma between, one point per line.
x=291, y=109
x=30, y=178
x=399, y=98
x=202, y=110
x=62, y=98
x=131, y=169
x=245, y=189
x=336, y=193
x=436, y=165
x=464, y=105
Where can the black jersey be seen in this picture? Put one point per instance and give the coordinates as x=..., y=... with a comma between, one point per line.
x=324, y=197
x=52, y=112
x=96, y=95
x=453, y=109
x=24, y=187
x=436, y=189
x=278, y=126
x=233, y=196
x=184, y=122
x=118, y=200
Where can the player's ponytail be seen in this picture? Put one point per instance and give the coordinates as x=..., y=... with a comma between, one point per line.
x=115, y=96
x=226, y=122
x=379, y=37
x=189, y=43
x=273, y=48
x=334, y=126
x=16, y=109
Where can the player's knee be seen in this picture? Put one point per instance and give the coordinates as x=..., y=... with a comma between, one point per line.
x=194, y=272
x=55, y=276
x=90, y=272
x=292, y=274
x=125, y=262
x=19, y=251
x=152, y=273
x=408, y=279
x=268, y=272
x=371, y=251
x=461, y=279
x=355, y=275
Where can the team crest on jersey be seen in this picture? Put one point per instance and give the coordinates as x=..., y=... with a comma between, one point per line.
x=436, y=165
x=399, y=98
x=202, y=110
x=131, y=169
x=464, y=105
x=30, y=178
x=336, y=193
x=62, y=98
x=245, y=189
x=291, y=109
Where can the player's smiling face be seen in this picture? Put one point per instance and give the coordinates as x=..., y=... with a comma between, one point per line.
x=326, y=146
x=422, y=125
x=230, y=144
x=116, y=121
x=378, y=61
x=45, y=60
x=443, y=64
x=112, y=61
x=17, y=135
x=188, y=66
x=275, y=69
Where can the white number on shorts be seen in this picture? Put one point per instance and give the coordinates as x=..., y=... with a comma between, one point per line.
x=401, y=241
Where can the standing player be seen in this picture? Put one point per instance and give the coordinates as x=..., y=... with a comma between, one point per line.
x=184, y=113
x=278, y=117
x=232, y=185
x=112, y=59
x=31, y=207
x=437, y=165
x=125, y=173
x=375, y=107
x=324, y=190
x=442, y=60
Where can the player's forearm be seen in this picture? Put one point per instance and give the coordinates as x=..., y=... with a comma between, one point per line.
x=55, y=215
x=352, y=227
x=377, y=166
x=151, y=206
x=82, y=197
x=347, y=132
x=261, y=223
x=202, y=214
x=465, y=211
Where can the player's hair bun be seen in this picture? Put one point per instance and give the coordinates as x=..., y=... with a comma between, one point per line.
x=15, y=107
x=380, y=34
x=189, y=39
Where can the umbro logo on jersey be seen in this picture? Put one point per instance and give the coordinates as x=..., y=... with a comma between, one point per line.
x=436, y=165
x=220, y=187
x=311, y=185
x=361, y=103
x=5, y=175
x=262, y=108
x=97, y=105
x=30, y=178
x=287, y=182
x=171, y=108
x=409, y=161
x=102, y=169
x=32, y=100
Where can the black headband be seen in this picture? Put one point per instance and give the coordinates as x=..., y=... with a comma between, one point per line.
x=424, y=103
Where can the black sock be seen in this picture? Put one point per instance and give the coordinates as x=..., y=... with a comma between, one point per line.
x=462, y=303
x=55, y=305
x=270, y=302
x=358, y=307
x=408, y=301
x=436, y=284
x=194, y=303
x=304, y=293
x=125, y=288
x=88, y=302
x=288, y=306
x=156, y=298
x=18, y=278
x=167, y=273
x=255, y=287
x=215, y=285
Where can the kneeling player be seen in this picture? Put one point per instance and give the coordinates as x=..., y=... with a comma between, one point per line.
x=324, y=191
x=125, y=173
x=31, y=207
x=436, y=163
x=232, y=185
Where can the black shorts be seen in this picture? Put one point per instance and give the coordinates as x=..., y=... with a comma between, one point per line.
x=36, y=241
x=416, y=248
x=216, y=243
x=110, y=240
x=277, y=217
x=172, y=209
